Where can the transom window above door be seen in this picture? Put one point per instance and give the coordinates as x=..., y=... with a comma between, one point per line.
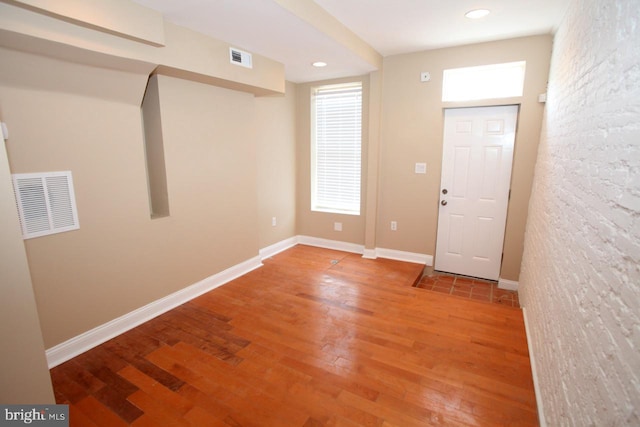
x=484, y=82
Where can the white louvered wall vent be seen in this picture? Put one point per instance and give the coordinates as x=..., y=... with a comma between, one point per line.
x=240, y=57
x=46, y=203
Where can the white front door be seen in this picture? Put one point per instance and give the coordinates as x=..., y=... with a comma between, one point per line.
x=474, y=189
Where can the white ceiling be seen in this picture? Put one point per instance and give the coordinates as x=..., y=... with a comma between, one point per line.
x=389, y=26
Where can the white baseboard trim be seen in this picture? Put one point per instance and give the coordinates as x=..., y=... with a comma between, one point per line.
x=404, y=256
x=276, y=248
x=100, y=334
x=534, y=373
x=331, y=244
x=96, y=336
x=511, y=285
x=369, y=254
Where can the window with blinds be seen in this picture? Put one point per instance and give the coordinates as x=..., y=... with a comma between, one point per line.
x=336, y=147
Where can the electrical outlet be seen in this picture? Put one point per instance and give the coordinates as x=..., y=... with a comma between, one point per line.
x=337, y=226
x=394, y=226
x=273, y=221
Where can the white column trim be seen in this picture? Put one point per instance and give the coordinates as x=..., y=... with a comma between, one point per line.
x=508, y=284
x=369, y=254
x=405, y=256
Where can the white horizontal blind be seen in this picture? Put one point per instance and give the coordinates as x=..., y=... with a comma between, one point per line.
x=46, y=203
x=336, y=148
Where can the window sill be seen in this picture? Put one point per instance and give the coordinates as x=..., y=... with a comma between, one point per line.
x=335, y=211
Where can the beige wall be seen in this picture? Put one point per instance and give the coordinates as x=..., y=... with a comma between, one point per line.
x=122, y=17
x=412, y=128
x=185, y=53
x=321, y=224
x=276, y=151
x=24, y=377
x=372, y=159
x=88, y=120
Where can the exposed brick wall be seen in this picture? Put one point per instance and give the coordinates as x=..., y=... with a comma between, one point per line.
x=580, y=280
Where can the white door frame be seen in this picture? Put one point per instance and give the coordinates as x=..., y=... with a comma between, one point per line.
x=478, y=145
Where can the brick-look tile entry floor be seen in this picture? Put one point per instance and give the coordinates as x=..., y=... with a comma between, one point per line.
x=469, y=287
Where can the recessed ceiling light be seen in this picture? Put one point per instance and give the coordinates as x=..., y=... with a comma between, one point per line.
x=477, y=13
x=319, y=64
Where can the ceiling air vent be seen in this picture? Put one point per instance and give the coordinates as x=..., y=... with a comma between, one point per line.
x=239, y=57
x=46, y=203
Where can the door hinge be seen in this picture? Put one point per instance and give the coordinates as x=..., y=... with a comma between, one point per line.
x=509, y=198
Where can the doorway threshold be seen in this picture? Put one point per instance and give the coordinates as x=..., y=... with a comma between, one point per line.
x=469, y=288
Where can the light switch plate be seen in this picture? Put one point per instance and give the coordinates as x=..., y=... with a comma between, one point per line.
x=421, y=168
x=425, y=76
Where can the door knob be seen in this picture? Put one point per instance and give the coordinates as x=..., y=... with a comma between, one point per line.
x=444, y=191
x=443, y=203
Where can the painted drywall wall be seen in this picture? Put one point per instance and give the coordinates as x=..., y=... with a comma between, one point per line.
x=121, y=17
x=580, y=280
x=186, y=54
x=24, y=377
x=372, y=160
x=321, y=224
x=88, y=120
x=276, y=150
x=412, y=128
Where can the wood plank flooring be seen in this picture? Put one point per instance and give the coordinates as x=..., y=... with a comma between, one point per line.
x=314, y=338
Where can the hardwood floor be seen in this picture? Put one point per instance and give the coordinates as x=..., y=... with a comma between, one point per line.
x=314, y=338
